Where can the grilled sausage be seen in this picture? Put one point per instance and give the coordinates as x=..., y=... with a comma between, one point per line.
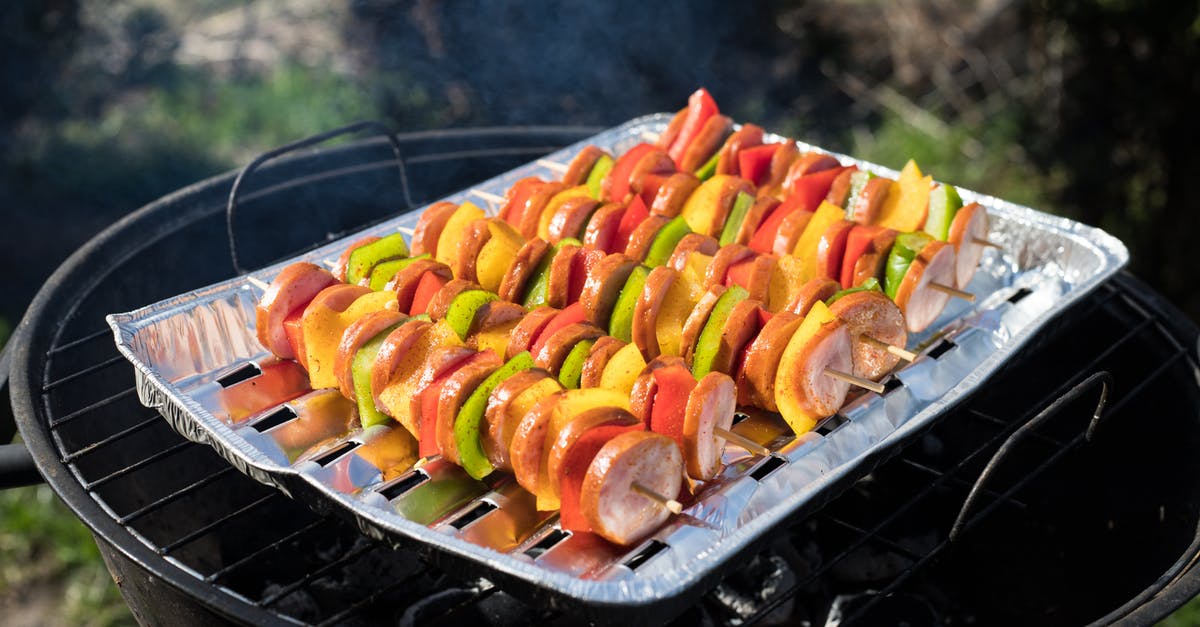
x=500, y=418
x=748, y=136
x=874, y=315
x=705, y=143
x=643, y=236
x=294, y=287
x=710, y=405
x=556, y=347
x=810, y=293
x=725, y=257
x=603, y=285
x=870, y=200
x=608, y=500
x=581, y=166
x=405, y=282
x=819, y=393
x=688, y=244
x=467, y=249
x=573, y=429
x=454, y=393
x=528, y=329
x=601, y=229
x=673, y=193
x=558, y=283
x=790, y=229
x=593, y=366
x=756, y=378
x=969, y=227
x=358, y=333
x=429, y=227
x=696, y=320
x=512, y=286
x=920, y=303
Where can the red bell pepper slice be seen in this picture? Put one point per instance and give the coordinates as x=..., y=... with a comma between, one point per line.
x=763, y=240
x=569, y=315
x=754, y=163
x=650, y=186
x=574, y=469
x=521, y=191
x=811, y=189
x=739, y=273
x=667, y=411
x=427, y=444
x=833, y=245
x=427, y=287
x=858, y=243
x=295, y=335
x=619, y=175
x=701, y=106
x=634, y=215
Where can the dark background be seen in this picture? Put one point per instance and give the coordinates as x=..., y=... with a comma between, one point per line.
x=1084, y=109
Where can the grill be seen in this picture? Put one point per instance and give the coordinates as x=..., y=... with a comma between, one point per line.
x=1022, y=503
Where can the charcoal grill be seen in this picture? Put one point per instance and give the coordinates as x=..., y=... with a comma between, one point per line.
x=1014, y=506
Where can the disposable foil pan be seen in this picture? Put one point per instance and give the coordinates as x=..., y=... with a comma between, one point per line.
x=198, y=362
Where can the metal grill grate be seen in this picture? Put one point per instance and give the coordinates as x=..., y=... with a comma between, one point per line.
x=115, y=421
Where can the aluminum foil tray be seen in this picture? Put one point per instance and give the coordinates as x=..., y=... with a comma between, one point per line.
x=198, y=362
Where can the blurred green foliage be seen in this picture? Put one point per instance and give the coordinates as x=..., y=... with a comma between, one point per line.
x=47, y=554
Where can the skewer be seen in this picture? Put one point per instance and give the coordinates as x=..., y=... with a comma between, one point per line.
x=552, y=165
x=257, y=282
x=986, y=242
x=330, y=263
x=853, y=380
x=671, y=504
x=891, y=348
x=490, y=198
x=407, y=231
x=742, y=441
x=955, y=292
x=649, y=137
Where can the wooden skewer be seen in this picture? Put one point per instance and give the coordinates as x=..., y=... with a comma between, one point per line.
x=257, y=282
x=891, y=348
x=329, y=262
x=953, y=291
x=407, y=231
x=552, y=165
x=742, y=441
x=853, y=380
x=986, y=242
x=671, y=504
x=488, y=196
x=649, y=137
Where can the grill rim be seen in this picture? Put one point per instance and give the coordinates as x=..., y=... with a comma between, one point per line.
x=35, y=325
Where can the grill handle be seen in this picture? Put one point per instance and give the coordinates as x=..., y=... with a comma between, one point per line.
x=371, y=125
x=1102, y=378
x=16, y=464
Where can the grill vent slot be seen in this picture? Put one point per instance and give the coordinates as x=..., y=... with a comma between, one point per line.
x=404, y=484
x=334, y=453
x=766, y=467
x=891, y=384
x=549, y=542
x=647, y=552
x=942, y=348
x=479, y=510
x=274, y=419
x=244, y=372
x=1019, y=295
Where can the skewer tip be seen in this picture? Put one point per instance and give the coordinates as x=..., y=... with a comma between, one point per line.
x=986, y=242
x=866, y=384
x=953, y=291
x=257, y=282
x=407, y=231
x=750, y=445
x=552, y=165
x=898, y=351
x=675, y=507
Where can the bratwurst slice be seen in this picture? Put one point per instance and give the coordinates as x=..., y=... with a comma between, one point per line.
x=611, y=505
x=871, y=314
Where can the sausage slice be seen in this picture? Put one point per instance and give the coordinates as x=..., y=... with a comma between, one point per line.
x=527, y=330
x=705, y=143
x=581, y=166
x=429, y=227
x=454, y=393
x=358, y=333
x=608, y=500
x=499, y=417
x=603, y=285
x=554, y=350
x=342, y=266
x=710, y=405
x=512, y=286
x=970, y=225
x=920, y=303
x=696, y=320
x=756, y=379
x=817, y=289
x=873, y=315
x=593, y=367
x=405, y=282
x=602, y=227
x=748, y=136
x=294, y=287
x=673, y=193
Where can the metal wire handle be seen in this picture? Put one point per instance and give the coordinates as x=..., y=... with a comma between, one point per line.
x=376, y=126
x=1105, y=381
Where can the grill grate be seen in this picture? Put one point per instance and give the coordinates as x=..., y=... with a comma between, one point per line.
x=945, y=482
